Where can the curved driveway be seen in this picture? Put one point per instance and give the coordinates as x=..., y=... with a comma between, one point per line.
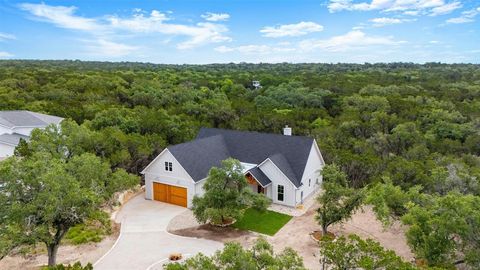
x=144, y=242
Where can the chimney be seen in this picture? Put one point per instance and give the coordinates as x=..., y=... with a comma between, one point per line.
x=287, y=131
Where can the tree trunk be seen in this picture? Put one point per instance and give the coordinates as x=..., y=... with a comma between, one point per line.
x=52, y=254
x=324, y=229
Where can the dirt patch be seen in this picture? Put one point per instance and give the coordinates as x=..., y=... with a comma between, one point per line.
x=365, y=225
x=87, y=253
x=297, y=234
x=221, y=234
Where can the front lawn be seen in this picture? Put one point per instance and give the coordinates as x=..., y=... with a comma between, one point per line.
x=267, y=222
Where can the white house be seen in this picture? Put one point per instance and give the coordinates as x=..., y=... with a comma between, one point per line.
x=16, y=125
x=285, y=168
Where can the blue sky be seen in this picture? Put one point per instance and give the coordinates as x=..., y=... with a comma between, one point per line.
x=217, y=31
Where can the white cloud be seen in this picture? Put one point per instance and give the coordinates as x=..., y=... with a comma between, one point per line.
x=408, y=7
x=215, y=17
x=379, y=22
x=291, y=30
x=5, y=54
x=5, y=36
x=445, y=9
x=466, y=17
x=107, y=48
x=110, y=27
x=352, y=40
x=61, y=16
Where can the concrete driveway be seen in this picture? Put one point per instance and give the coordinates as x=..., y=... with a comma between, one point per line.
x=144, y=242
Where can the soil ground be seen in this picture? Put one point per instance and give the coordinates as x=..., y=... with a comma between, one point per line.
x=296, y=234
x=87, y=253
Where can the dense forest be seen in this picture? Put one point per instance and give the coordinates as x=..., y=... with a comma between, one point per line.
x=410, y=132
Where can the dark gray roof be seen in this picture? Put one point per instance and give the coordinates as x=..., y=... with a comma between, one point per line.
x=260, y=176
x=27, y=119
x=212, y=145
x=198, y=156
x=12, y=139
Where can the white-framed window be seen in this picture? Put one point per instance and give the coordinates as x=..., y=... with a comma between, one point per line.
x=280, y=193
x=318, y=182
x=168, y=166
x=309, y=182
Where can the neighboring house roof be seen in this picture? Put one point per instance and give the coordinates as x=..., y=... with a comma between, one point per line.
x=12, y=119
x=260, y=176
x=12, y=139
x=212, y=145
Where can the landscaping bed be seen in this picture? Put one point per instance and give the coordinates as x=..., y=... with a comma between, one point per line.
x=268, y=222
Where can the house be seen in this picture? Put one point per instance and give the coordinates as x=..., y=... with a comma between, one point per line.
x=256, y=85
x=283, y=167
x=16, y=125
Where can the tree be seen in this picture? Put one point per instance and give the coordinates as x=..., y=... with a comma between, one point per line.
x=234, y=257
x=226, y=195
x=446, y=230
x=46, y=196
x=352, y=252
x=337, y=201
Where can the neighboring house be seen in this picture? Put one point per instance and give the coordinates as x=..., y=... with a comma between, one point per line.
x=16, y=125
x=283, y=167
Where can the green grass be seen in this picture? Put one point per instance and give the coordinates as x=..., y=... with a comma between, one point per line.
x=267, y=222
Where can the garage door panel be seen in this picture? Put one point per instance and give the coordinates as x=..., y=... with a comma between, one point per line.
x=170, y=194
x=181, y=201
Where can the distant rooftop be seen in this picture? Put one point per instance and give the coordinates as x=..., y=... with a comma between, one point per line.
x=12, y=119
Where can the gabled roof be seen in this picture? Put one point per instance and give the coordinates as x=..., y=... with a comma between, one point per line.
x=197, y=157
x=260, y=176
x=12, y=139
x=212, y=145
x=13, y=119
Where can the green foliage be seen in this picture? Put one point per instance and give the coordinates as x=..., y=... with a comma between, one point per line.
x=445, y=230
x=416, y=125
x=93, y=230
x=266, y=222
x=352, y=252
x=75, y=266
x=234, y=257
x=226, y=195
x=54, y=186
x=337, y=201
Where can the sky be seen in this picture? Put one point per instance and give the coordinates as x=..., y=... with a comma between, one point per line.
x=223, y=31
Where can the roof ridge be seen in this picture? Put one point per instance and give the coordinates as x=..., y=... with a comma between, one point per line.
x=258, y=132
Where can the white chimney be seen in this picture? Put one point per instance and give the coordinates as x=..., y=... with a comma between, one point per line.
x=287, y=131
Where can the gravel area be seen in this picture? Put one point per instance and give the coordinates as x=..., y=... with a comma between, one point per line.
x=183, y=221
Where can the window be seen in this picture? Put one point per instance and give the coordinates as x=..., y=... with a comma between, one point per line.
x=309, y=182
x=168, y=166
x=280, y=192
x=317, y=181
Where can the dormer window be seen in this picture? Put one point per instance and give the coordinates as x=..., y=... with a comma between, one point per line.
x=168, y=166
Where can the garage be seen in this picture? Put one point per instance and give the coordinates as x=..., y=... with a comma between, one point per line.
x=170, y=194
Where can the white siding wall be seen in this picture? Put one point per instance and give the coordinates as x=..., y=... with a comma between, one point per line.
x=178, y=176
x=6, y=150
x=278, y=178
x=312, y=172
x=199, y=187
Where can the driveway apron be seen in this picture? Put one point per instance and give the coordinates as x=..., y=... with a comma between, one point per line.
x=144, y=242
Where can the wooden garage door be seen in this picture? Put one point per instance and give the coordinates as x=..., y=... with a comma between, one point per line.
x=170, y=194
